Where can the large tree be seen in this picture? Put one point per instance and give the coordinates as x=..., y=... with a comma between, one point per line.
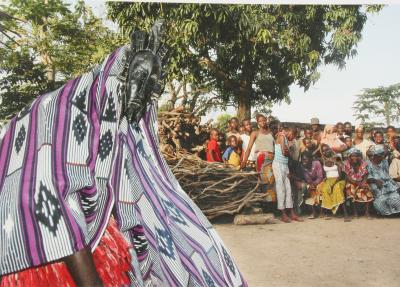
x=378, y=106
x=44, y=43
x=21, y=82
x=249, y=54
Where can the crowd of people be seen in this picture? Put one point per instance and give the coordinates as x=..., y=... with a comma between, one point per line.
x=327, y=170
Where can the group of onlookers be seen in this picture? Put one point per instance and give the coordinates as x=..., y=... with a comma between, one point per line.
x=327, y=170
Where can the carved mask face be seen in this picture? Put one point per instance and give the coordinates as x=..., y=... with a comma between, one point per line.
x=143, y=75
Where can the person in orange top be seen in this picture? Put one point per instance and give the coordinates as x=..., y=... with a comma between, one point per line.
x=213, y=151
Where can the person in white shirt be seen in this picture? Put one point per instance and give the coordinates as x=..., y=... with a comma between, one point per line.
x=245, y=137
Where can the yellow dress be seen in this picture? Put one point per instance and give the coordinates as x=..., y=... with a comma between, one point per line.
x=234, y=160
x=332, y=193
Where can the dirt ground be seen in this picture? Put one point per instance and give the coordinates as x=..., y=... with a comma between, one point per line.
x=317, y=252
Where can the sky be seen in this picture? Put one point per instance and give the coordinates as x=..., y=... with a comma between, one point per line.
x=331, y=98
x=376, y=64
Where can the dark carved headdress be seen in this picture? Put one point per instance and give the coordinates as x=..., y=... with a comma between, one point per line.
x=142, y=78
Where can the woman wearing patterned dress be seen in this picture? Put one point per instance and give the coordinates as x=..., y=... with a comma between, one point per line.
x=307, y=178
x=332, y=188
x=384, y=188
x=357, y=188
x=264, y=141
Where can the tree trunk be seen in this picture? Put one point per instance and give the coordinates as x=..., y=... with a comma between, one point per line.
x=246, y=80
x=386, y=108
x=173, y=96
x=185, y=95
x=244, y=105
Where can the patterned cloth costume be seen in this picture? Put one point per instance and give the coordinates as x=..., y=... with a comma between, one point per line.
x=111, y=258
x=69, y=160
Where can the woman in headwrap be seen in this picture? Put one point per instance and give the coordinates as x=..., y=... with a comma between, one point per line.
x=330, y=138
x=384, y=188
x=332, y=188
x=357, y=188
x=361, y=143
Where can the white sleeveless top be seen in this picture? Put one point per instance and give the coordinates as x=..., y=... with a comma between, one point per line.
x=245, y=143
x=331, y=171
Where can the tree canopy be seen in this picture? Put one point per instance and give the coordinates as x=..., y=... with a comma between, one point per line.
x=378, y=106
x=249, y=54
x=44, y=43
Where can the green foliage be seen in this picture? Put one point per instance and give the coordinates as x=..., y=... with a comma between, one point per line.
x=222, y=122
x=53, y=40
x=68, y=42
x=23, y=82
x=249, y=54
x=378, y=106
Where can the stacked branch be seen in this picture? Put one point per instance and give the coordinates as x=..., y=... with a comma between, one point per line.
x=216, y=188
x=182, y=131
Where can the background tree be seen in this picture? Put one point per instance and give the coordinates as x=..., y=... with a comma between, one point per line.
x=47, y=38
x=378, y=106
x=197, y=100
x=222, y=123
x=21, y=83
x=249, y=54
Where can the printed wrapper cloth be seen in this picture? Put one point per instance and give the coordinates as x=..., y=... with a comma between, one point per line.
x=111, y=258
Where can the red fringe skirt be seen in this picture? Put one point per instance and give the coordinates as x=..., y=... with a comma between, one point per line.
x=111, y=258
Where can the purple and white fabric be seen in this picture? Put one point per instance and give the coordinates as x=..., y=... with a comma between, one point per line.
x=67, y=162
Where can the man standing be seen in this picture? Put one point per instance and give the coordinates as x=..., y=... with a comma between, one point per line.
x=316, y=129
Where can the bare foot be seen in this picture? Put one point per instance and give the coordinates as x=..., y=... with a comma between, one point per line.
x=296, y=218
x=285, y=219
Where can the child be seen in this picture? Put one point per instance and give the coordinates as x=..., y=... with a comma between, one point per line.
x=245, y=136
x=231, y=155
x=281, y=173
x=310, y=146
x=233, y=127
x=348, y=141
x=213, y=151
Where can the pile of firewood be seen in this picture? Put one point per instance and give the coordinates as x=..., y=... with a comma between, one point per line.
x=181, y=131
x=216, y=188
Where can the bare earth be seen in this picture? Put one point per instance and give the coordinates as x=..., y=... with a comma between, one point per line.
x=317, y=252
